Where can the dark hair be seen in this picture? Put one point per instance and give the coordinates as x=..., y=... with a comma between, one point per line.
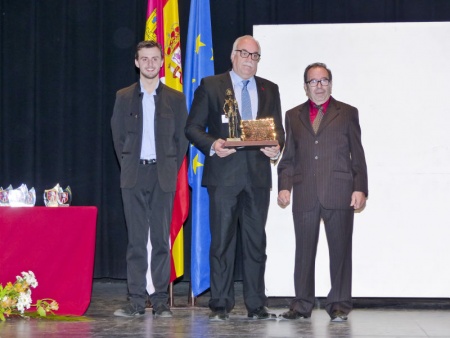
x=148, y=44
x=317, y=65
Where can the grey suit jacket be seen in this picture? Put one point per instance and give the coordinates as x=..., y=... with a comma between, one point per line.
x=205, y=125
x=328, y=166
x=171, y=143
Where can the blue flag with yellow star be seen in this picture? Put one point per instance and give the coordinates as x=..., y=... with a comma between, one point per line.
x=199, y=64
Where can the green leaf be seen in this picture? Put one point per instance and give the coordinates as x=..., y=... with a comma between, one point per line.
x=41, y=311
x=59, y=318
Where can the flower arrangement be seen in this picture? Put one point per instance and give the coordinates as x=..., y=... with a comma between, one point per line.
x=16, y=298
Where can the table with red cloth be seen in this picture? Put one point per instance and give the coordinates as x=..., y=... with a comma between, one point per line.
x=58, y=245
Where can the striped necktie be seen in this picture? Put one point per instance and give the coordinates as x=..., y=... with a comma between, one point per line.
x=318, y=119
x=246, y=113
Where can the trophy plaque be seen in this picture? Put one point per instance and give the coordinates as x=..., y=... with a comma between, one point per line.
x=252, y=132
x=255, y=133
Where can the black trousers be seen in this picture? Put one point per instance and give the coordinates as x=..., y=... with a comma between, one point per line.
x=339, y=232
x=148, y=211
x=228, y=206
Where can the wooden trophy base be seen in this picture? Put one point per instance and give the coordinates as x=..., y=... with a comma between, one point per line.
x=255, y=133
x=234, y=143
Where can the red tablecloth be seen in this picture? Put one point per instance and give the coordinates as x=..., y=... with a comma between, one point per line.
x=58, y=245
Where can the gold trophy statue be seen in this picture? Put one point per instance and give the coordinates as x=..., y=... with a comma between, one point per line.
x=230, y=108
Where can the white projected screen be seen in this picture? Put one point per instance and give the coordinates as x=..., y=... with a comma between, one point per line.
x=398, y=76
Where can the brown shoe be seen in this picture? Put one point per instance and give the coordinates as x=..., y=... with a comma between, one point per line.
x=130, y=311
x=218, y=315
x=261, y=313
x=338, y=316
x=292, y=315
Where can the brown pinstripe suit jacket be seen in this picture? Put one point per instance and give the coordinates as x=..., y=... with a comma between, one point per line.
x=328, y=166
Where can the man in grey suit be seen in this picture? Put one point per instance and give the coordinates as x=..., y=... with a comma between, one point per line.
x=148, y=133
x=324, y=165
x=238, y=180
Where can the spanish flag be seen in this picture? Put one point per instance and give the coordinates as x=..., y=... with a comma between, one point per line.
x=163, y=26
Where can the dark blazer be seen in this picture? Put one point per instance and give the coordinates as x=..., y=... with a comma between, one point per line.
x=171, y=143
x=328, y=166
x=205, y=125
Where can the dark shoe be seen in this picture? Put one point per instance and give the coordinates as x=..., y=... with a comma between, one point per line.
x=292, y=314
x=218, y=315
x=163, y=311
x=130, y=311
x=338, y=316
x=261, y=313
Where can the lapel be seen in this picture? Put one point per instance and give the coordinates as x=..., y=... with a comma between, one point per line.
x=136, y=106
x=262, y=97
x=303, y=114
x=158, y=101
x=137, y=101
x=224, y=84
x=331, y=113
x=161, y=108
x=159, y=97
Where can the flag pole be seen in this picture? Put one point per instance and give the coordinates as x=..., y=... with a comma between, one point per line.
x=191, y=298
x=171, y=294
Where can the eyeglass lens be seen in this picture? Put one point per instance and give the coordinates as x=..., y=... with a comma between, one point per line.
x=245, y=54
x=323, y=82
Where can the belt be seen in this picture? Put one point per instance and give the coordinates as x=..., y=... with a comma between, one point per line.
x=147, y=162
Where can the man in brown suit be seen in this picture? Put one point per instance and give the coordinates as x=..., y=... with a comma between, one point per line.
x=325, y=167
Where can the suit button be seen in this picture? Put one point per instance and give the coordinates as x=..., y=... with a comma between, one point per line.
x=316, y=142
x=317, y=157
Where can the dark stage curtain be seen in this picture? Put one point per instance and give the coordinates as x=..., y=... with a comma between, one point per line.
x=62, y=61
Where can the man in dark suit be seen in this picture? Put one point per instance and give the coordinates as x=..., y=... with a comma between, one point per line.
x=238, y=180
x=148, y=133
x=324, y=165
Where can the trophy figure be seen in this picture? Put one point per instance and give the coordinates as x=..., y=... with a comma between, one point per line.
x=230, y=109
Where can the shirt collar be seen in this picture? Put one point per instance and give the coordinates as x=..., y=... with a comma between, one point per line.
x=143, y=90
x=237, y=80
x=312, y=105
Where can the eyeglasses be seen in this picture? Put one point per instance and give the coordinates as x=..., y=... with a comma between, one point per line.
x=245, y=54
x=314, y=82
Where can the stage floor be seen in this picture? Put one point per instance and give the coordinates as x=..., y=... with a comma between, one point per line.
x=370, y=318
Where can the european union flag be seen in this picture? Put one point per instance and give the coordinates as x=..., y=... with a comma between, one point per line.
x=199, y=63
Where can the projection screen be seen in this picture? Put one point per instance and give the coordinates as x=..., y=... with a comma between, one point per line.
x=397, y=75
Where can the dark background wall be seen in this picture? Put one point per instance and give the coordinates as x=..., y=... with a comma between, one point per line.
x=61, y=62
